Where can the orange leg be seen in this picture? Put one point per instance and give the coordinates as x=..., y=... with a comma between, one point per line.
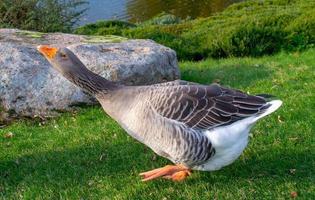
x=174, y=172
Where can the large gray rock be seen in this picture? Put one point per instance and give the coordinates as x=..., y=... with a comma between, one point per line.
x=29, y=86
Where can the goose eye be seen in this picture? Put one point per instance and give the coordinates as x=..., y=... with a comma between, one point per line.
x=62, y=55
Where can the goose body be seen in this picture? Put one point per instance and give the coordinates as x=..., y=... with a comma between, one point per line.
x=208, y=144
x=195, y=126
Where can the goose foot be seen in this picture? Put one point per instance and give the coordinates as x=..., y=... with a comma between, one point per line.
x=173, y=172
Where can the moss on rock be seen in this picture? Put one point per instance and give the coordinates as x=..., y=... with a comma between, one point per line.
x=31, y=34
x=107, y=38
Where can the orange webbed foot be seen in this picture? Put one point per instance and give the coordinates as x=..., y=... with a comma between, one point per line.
x=173, y=172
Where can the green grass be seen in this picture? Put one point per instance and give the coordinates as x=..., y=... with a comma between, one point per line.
x=88, y=156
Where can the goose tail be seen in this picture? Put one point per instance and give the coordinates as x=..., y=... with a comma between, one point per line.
x=272, y=106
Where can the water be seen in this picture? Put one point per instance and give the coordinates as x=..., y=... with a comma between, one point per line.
x=141, y=10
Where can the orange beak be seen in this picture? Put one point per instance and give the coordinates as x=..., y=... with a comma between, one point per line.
x=47, y=51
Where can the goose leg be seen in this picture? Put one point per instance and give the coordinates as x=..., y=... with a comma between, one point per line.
x=173, y=172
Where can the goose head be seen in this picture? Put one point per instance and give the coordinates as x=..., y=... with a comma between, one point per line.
x=62, y=59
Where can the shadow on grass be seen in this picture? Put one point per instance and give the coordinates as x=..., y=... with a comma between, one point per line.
x=256, y=174
x=277, y=166
x=238, y=76
x=60, y=170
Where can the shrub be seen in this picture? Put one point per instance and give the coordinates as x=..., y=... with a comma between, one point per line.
x=302, y=31
x=251, y=28
x=162, y=19
x=112, y=27
x=41, y=15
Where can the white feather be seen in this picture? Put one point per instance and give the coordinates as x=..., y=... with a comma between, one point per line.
x=231, y=140
x=275, y=104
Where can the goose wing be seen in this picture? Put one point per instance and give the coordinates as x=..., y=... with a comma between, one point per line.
x=205, y=107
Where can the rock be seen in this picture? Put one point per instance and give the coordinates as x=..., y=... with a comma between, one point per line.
x=29, y=86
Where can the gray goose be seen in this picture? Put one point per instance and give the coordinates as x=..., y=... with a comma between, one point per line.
x=197, y=127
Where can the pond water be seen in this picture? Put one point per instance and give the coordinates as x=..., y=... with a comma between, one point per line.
x=140, y=10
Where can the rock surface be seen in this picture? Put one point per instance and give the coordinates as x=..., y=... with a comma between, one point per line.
x=29, y=86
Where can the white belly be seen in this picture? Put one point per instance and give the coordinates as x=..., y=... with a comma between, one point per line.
x=229, y=142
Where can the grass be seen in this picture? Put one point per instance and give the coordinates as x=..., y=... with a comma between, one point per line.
x=86, y=155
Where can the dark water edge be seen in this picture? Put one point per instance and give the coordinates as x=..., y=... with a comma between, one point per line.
x=141, y=10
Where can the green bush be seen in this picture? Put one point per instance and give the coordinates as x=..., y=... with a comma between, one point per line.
x=112, y=27
x=251, y=28
x=41, y=15
x=302, y=31
x=162, y=19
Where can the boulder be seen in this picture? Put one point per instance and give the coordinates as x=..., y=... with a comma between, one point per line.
x=29, y=86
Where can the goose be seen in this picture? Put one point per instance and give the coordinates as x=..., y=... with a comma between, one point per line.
x=197, y=127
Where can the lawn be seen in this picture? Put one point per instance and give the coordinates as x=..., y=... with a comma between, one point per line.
x=86, y=155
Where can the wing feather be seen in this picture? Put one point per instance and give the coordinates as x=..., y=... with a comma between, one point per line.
x=204, y=107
